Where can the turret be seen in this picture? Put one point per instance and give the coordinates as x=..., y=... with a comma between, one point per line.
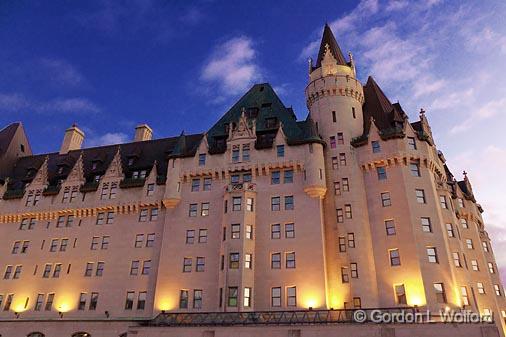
x=334, y=96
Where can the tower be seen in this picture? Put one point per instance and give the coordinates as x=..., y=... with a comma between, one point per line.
x=334, y=98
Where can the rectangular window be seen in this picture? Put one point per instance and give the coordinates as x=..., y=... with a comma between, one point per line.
x=415, y=169
x=235, y=231
x=202, y=159
x=129, y=301
x=275, y=177
x=39, y=302
x=290, y=260
x=497, y=289
x=347, y=211
x=192, y=210
x=342, y=159
x=400, y=294
x=469, y=244
x=474, y=265
x=461, y=202
x=190, y=236
x=17, y=272
x=395, y=258
x=357, y=302
x=420, y=196
x=332, y=142
x=141, y=300
x=385, y=199
x=250, y=204
x=439, y=289
x=375, y=146
x=345, y=278
x=47, y=270
x=197, y=299
x=288, y=176
x=82, y=301
x=491, y=268
x=56, y=271
x=195, y=185
x=201, y=264
x=100, y=269
x=203, y=235
x=426, y=225
x=93, y=301
x=351, y=240
x=248, y=261
x=481, y=288
x=289, y=202
x=207, y=184
x=63, y=245
x=249, y=232
x=110, y=218
x=276, y=231
x=291, y=296
x=49, y=302
x=153, y=214
x=334, y=163
x=134, y=268
x=382, y=172
x=432, y=255
x=54, y=245
x=464, y=223
x=411, y=143
x=275, y=203
x=247, y=297
x=340, y=215
x=204, y=209
x=236, y=203
x=276, y=297
x=245, y=152
x=346, y=185
x=342, y=244
x=187, y=265
x=61, y=221
x=235, y=155
x=232, y=296
x=334, y=118
x=464, y=295
x=484, y=244
x=354, y=270
x=456, y=260
x=276, y=261
x=289, y=230
x=143, y=215
x=146, y=267
x=89, y=269
x=233, y=261
x=390, y=227
x=150, y=240
x=443, y=202
x=280, y=150
x=337, y=188
x=150, y=190
x=449, y=230
x=340, y=138
x=183, y=299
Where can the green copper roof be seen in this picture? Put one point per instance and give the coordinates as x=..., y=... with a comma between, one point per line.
x=263, y=104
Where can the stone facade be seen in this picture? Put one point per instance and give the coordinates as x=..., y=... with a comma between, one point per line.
x=352, y=208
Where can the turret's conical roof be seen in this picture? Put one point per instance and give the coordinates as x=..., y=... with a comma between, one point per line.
x=329, y=39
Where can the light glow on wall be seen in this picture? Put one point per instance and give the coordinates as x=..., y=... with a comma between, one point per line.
x=166, y=304
x=415, y=293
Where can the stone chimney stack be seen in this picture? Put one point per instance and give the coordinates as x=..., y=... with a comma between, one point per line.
x=143, y=132
x=72, y=140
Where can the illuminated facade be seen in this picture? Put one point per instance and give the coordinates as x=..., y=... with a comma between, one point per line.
x=353, y=207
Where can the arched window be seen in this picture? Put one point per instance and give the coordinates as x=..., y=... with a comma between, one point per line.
x=36, y=334
x=81, y=334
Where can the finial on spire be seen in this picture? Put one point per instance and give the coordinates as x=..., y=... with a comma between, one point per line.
x=422, y=111
x=465, y=174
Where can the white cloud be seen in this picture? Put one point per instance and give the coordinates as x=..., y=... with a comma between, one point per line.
x=15, y=102
x=488, y=110
x=107, y=139
x=394, y=5
x=61, y=72
x=232, y=67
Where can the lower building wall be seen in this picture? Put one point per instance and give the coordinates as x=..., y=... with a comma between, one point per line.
x=117, y=329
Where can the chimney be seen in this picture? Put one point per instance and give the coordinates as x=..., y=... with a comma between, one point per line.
x=72, y=140
x=143, y=132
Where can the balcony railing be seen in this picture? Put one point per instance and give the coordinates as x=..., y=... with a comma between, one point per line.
x=241, y=187
x=268, y=317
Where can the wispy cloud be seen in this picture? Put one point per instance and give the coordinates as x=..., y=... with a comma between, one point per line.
x=16, y=102
x=60, y=72
x=107, y=139
x=488, y=110
x=232, y=67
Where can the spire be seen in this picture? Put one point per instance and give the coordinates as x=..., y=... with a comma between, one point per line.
x=329, y=40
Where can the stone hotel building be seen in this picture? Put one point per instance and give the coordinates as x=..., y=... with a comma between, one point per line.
x=264, y=225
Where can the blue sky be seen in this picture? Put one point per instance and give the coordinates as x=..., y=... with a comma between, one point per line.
x=179, y=65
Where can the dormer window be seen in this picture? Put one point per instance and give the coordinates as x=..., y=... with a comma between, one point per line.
x=60, y=169
x=97, y=178
x=227, y=128
x=94, y=165
x=271, y=122
x=139, y=174
x=130, y=161
x=30, y=172
x=252, y=112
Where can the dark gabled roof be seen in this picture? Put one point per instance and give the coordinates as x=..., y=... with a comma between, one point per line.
x=6, y=135
x=144, y=153
x=385, y=114
x=328, y=38
x=261, y=103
